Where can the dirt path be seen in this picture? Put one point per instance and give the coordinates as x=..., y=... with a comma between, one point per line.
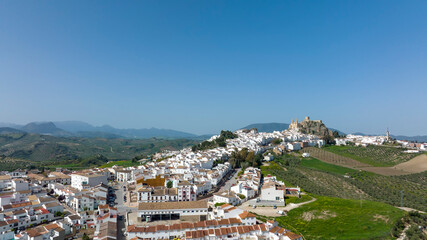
x=403, y=234
x=415, y=165
x=270, y=211
x=386, y=171
x=410, y=209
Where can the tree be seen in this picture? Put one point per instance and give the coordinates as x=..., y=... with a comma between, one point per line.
x=169, y=184
x=250, y=158
x=59, y=214
x=85, y=237
x=329, y=139
x=61, y=198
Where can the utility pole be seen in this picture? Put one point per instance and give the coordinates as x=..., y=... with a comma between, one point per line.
x=401, y=198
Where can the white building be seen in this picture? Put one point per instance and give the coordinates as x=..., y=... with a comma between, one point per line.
x=226, y=197
x=18, y=184
x=272, y=191
x=82, y=181
x=153, y=211
x=244, y=189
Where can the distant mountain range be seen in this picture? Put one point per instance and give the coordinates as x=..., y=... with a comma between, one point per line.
x=268, y=127
x=82, y=129
x=86, y=130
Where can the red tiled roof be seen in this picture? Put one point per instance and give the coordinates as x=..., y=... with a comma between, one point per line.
x=185, y=225
x=245, y=214
x=44, y=210
x=224, y=231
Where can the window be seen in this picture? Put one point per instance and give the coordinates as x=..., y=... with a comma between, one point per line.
x=277, y=198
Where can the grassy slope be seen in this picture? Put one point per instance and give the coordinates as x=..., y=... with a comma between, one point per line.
x=378, y=156
x=303, y=198
x=316, y=164
x=124, y=163
x=343, y=219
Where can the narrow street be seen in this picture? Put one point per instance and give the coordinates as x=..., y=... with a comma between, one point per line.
x=230, y=182
x=122, y=210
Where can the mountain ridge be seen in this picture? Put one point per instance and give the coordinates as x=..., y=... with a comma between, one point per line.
x=83, y=129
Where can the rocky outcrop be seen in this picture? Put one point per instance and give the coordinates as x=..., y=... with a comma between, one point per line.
x=315, y=127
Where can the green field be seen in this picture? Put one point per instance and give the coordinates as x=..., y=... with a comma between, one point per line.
x=316, y=164
x=377, y=156
x=124, y=163
x=334, y=218
x=303, y=198
x=326, y=180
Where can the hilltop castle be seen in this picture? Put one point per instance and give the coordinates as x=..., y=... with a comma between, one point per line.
x=303, y=124
x=308, y=126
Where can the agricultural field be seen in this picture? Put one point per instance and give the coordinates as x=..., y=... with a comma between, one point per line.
x=335, y=218
x=319, y=179
x=415, y=165
x=314, y=182
x=388, y=188
x=316, y=164
x=377, y=156
x=333, y=158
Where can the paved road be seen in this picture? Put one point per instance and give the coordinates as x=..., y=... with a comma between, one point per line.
x=122, y=209
x=120, y=225
x=229, y=183
x=66, y=207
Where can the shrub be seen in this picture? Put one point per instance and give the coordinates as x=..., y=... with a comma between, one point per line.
x=241, y=196
x=219, y=204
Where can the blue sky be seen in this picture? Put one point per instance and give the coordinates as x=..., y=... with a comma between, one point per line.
x=203, y=66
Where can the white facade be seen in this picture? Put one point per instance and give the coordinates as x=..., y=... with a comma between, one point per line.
x=84, y=181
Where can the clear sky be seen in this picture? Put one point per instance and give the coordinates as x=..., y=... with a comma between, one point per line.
x=202, y=66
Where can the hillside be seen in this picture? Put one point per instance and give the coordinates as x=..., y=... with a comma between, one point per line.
x=46, y=128
x=381, y=156
x=350, y=220
x=42, y=149
x=326, y=179
x=7, y=130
